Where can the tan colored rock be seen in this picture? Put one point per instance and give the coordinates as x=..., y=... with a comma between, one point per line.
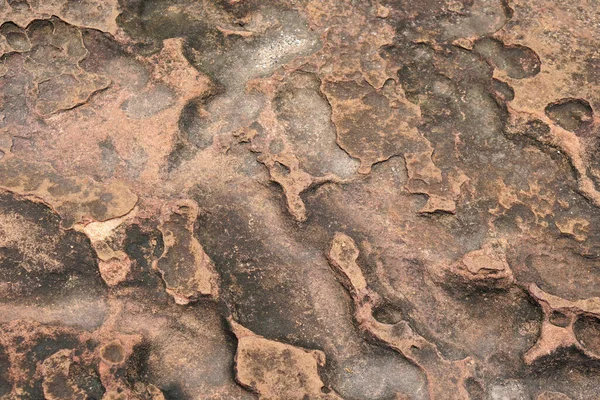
x=552, y=396
x=76, y=199
x=57, y=384
x=356, y=117
x=115, y=270
x=558, y=326
x=147, y=104
x=186, y=269
x=113, y=263
x=277, y=370
x=382, y=11
x=5, y=141
x=86, y=13
x=51, y=52
x=483, y=268
x=446, y=379
x=578, y=228
x=343, y=254
x=425, y=178
x=564, y=49
x=285, y=170
x=284, y=166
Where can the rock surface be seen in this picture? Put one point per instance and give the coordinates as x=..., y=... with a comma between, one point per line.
x=299, y=199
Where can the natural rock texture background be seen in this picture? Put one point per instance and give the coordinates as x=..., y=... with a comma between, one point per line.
x=299, y=199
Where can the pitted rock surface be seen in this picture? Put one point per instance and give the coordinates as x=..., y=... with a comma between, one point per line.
x=299, y=199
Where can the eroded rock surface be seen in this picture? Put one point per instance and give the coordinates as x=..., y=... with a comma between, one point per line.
x=446, y=379
x=278, y=370
x=308, y=199
x=186, y=269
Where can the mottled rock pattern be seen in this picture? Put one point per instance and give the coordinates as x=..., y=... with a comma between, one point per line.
x=299, y=199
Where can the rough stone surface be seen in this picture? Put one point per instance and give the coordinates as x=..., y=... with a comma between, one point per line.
x=299, y=199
